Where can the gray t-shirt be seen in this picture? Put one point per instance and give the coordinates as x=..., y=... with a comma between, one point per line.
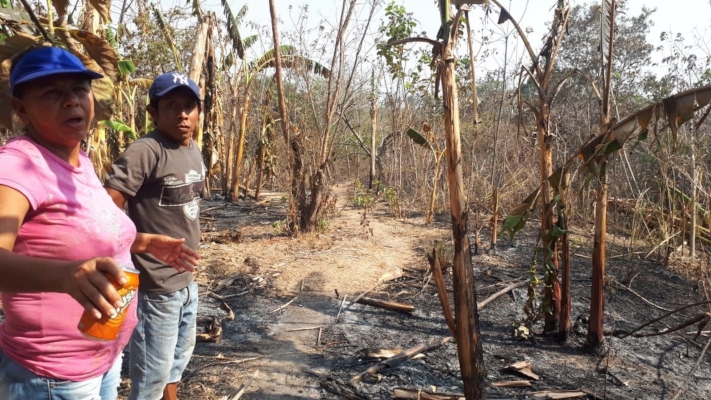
x=164, y=180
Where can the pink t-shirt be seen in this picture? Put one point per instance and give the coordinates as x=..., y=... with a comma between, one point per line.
x=71, y=218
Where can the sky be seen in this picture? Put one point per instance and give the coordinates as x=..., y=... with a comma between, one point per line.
x=691, y=20
x=669, y=16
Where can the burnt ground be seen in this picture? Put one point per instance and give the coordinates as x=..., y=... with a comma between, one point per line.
x=313, y=273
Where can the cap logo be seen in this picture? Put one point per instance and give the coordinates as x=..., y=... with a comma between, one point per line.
x=180, y=78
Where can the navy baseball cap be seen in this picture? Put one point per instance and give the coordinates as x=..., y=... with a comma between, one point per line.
x=170, y=81
x=46, y=61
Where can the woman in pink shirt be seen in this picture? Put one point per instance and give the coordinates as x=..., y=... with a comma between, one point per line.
x=61, y=240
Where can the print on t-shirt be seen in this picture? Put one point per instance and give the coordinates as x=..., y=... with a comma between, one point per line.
x=176, y=193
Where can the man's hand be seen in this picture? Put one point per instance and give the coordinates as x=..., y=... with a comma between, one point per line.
x=90, y=283
x=173, y=252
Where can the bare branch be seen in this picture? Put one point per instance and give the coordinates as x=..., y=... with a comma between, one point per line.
x=522, y=34
x=560, y=84
x=357, y=136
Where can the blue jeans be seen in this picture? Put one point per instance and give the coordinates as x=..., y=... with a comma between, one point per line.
x=17, y=382
x=163, y=341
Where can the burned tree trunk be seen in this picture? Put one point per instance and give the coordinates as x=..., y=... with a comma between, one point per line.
x=595, y=337
x=197, y=64
x=234, y=186
x=298, y=192
x=469, y=346
x=550, y=255
x=565, y=307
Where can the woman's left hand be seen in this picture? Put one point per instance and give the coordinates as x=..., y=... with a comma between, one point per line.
x=173, y=252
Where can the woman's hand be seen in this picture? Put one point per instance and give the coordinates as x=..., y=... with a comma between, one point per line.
x=173, y=252
x=90, y=283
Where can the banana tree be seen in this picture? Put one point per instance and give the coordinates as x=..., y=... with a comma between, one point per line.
x=468, y=338
x=239, y=46
x=540, y=75
x=671, y=112
x=438, y=155
x=290, y=59
x=595, y=337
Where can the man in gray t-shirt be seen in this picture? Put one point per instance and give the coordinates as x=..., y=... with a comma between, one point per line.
x=160, y=176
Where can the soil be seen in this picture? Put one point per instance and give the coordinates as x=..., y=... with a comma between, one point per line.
x=294, y=327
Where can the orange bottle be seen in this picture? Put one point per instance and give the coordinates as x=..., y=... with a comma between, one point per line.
x=108, y=329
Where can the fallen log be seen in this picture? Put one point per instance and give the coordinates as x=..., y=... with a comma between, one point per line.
x=399, y=358
x=388, y=305
x=243, y=389
x=501, y=292
x=284, y=306
x=411, y=394
x=511, y=384
x=386, y=277
x=556, y=395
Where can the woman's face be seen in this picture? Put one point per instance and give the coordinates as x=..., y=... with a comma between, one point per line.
x=58, y=108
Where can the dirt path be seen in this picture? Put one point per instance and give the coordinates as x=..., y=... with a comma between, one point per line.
x=348, y=258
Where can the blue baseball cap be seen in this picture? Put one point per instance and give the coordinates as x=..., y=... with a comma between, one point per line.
x=46, y=61
x=170, y=81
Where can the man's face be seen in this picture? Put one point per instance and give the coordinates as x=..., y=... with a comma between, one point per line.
x=176, y=115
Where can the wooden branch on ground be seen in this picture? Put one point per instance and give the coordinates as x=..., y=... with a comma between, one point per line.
x=398, y=359
x=214, y=364
x=245, y=386
x=284, y=306
x=388, y=305
x=625, y=334
x=501, y=292
x=304, y=329
x=386, y=277
x=341, y=307
x=685, y=385
x=442, y=292
x=511, y=384
x=230, y=314
x=637, y=294
x=556, y=394
x=411, y=394
x=213, y=208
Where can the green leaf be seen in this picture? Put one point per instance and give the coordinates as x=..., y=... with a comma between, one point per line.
x=126, y=67
x=544, y=250
x=513, y=223
x=641, y=137
x=418, y=138
x=612, y=147
x=119, y=126
x=557, y=232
